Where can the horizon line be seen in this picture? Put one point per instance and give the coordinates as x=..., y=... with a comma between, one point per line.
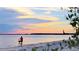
x=40, y=34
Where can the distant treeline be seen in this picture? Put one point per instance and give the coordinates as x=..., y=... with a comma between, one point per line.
x=52, y=33
x=42, y=34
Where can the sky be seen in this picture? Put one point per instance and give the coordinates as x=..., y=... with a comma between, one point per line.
x=22, y=20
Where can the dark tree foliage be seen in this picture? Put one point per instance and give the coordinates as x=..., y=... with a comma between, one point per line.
x=73, y=17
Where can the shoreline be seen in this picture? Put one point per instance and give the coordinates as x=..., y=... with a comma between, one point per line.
x=47, y=46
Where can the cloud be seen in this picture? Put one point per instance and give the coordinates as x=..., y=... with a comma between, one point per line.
x=39, y=17
x=23, y=10
x=57, y=29
x=27, y=20
x=45, y=10
x=10, y=16
x=33, y=20
x=49, y=27
x=26, y=13
x=29, y=13
x=44, y=25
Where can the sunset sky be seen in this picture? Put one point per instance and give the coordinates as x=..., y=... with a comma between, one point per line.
x=33, y=20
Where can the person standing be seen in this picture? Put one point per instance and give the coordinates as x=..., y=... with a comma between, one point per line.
x=21, y=41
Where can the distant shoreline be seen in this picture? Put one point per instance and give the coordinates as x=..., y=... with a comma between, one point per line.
x=42, y=34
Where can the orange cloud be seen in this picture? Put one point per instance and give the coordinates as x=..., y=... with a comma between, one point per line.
x=55, y=29
x=49, y=27
x=43, y=25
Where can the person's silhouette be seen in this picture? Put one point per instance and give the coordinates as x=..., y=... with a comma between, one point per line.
x=21, y=41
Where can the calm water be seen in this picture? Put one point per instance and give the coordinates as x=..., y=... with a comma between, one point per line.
x=12, y=40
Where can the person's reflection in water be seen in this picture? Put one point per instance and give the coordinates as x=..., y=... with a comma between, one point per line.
x=21, y=41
